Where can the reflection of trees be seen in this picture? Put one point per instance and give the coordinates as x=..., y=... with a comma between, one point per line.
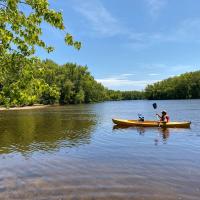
x=28, y=131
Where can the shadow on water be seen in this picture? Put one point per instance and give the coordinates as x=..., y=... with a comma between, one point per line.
x=163, y=133
x=47, y=130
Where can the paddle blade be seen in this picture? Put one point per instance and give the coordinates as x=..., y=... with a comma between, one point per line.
x=154, y=105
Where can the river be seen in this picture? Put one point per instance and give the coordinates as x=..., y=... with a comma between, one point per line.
x=75, y=152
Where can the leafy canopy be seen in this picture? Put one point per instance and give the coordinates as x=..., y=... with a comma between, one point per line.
x=20, y=30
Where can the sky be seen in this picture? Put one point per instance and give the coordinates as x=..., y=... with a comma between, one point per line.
x=128, y=44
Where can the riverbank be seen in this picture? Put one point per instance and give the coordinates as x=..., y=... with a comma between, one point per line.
x=37, y=106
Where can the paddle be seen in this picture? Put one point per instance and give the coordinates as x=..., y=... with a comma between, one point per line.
x=155, y=107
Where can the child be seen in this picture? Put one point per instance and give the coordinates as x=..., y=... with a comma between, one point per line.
x=164, y=117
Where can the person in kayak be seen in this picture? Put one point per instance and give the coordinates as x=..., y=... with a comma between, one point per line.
x=164, y=117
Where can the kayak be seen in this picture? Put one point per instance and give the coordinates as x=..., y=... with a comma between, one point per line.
x=124, y=122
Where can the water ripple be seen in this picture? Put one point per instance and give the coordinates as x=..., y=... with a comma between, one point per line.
x=74, y=152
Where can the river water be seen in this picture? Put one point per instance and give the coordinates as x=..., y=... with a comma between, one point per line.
x=75, y=152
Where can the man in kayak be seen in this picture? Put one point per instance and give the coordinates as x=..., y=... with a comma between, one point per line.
x=164, y=117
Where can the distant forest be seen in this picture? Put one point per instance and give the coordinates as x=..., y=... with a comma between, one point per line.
x=45, y=82
x=185, y=86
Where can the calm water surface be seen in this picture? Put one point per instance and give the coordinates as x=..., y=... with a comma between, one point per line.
x=74, y=152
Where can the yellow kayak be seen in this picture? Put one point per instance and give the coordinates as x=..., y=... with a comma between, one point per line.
x=124, y=122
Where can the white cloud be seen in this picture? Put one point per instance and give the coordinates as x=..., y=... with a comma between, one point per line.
x=153, y=74
x=188, y=31
x=124, y=84
x=102, y=23
x=126, y=75
x=99, y=18
x=122, y=76
x=155, y=6
x=160, y=72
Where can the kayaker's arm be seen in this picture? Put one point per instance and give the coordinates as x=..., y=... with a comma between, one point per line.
x=158, y=115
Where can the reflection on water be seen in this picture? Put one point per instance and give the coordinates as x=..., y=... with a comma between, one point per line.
x=73, y=152
x=29, y=131
x=163, y=133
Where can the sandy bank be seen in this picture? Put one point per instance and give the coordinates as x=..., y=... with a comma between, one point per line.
x=25, y=107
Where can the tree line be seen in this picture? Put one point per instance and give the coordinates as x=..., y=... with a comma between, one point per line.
x=24, y=82
x=27, y=82
x=185, y=86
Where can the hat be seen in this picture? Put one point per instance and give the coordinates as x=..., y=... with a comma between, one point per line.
x=164, y=111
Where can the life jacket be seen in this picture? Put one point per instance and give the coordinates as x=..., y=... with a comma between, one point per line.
x=165, y=118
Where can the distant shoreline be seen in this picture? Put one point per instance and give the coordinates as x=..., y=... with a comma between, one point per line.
x=25, y=107
x=38, y=106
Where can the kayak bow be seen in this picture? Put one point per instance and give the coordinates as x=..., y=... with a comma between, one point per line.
x=124, y=122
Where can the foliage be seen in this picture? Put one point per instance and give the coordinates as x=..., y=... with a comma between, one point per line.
x=132, y=95
x=21, y=85
x=24, y=79
x=185, y=86
x=20, y=26
x=46, y=82
x=27, y=82
x=125, y=95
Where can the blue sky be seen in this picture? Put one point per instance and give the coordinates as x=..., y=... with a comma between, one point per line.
x=131, y=43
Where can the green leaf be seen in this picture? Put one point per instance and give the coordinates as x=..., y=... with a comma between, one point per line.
x=77, y=45
x=69, y=39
